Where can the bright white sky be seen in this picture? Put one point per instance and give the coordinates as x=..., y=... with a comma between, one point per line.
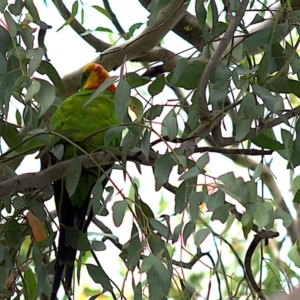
x=69, y=52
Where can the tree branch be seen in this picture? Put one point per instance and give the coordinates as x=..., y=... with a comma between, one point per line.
x=53, y=173
x=148, y=39
x=187, y=28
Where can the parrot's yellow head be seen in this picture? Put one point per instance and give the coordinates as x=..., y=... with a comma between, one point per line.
x=93, y=75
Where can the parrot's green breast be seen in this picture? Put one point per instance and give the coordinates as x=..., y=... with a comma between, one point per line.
x=89, y=122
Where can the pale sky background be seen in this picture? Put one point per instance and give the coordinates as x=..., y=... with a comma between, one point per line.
x=69, y=52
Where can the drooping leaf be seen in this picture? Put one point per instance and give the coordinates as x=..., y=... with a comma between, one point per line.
x=119, y=209
x=77, y=239
x=157, y=85
x=170, y=125
x=53, y=75
x=122, y=99
x=153, y=112
x=188, y=229
x=162, y=170
x=161, y=229
x=73, y=175
x=30, y=283
x=99, y=276
x=201, y=235
x=13, y=233
x=35, y=56
x=45, y=96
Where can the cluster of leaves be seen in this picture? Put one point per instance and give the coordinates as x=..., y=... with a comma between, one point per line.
x=253, y=93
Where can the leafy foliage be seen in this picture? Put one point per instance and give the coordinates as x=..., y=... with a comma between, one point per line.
x=204, y=230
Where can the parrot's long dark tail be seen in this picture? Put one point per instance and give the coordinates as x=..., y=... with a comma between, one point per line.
x=74, y=217
x=69, y=216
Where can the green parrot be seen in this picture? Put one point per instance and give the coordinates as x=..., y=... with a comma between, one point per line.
x=86, y=120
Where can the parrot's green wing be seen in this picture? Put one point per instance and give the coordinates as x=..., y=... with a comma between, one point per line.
x=85, y=126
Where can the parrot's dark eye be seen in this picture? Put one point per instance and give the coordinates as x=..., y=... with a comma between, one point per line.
x=84, y=78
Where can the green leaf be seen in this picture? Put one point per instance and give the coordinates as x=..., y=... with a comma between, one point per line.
x=4, y=273
x=53, y=75
x=71, y=18
x=221, y=73
x=145, y=144
x=32, y=90
x=170, y=125
x=221, y=212
x=10, y=134
x=131, y=31
x=182, y=194
x=12, y=25
x=297, y=139
x=285, y=216
x=157, y=85
x=296, y=183
x=294, y=255
x=177, y=232
x=111, y=133
x=107, y=82
x=192, y=172
x=99, y=28
x=162, y=170
x=189, y=228
x=162, y=276
x=258, y=171
x=264, y=141
x=137, y=291
x=294, y=86
x=16, y=8
x=277, y=84
x=245, y=117
x=260, y=214
x=47, y=242
x=186, y=74
x=102, y=11
x=73, y=175
x=153, y=112
x=215, y=200
x=77, y=239
x=13, y=233
x=98, y=246
x=122, y=99
x=30, y=283
x=201, y=235
x=201, y=15
x=134, y=249
x=235, y=187
x=229, y=223
x=119, y=208
x=45, y=96
x=297, y=197
x=35, y=58
x=27, y=36
x=218, y=93
x=247, y=223
x=32, y=10
x=195, y=199
x=263, y=69
x=288, y=144
x=264, y=36
x=135, y=80
x=155, y=7
x=99, y=276
x=273, y=103
x=161, y=229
